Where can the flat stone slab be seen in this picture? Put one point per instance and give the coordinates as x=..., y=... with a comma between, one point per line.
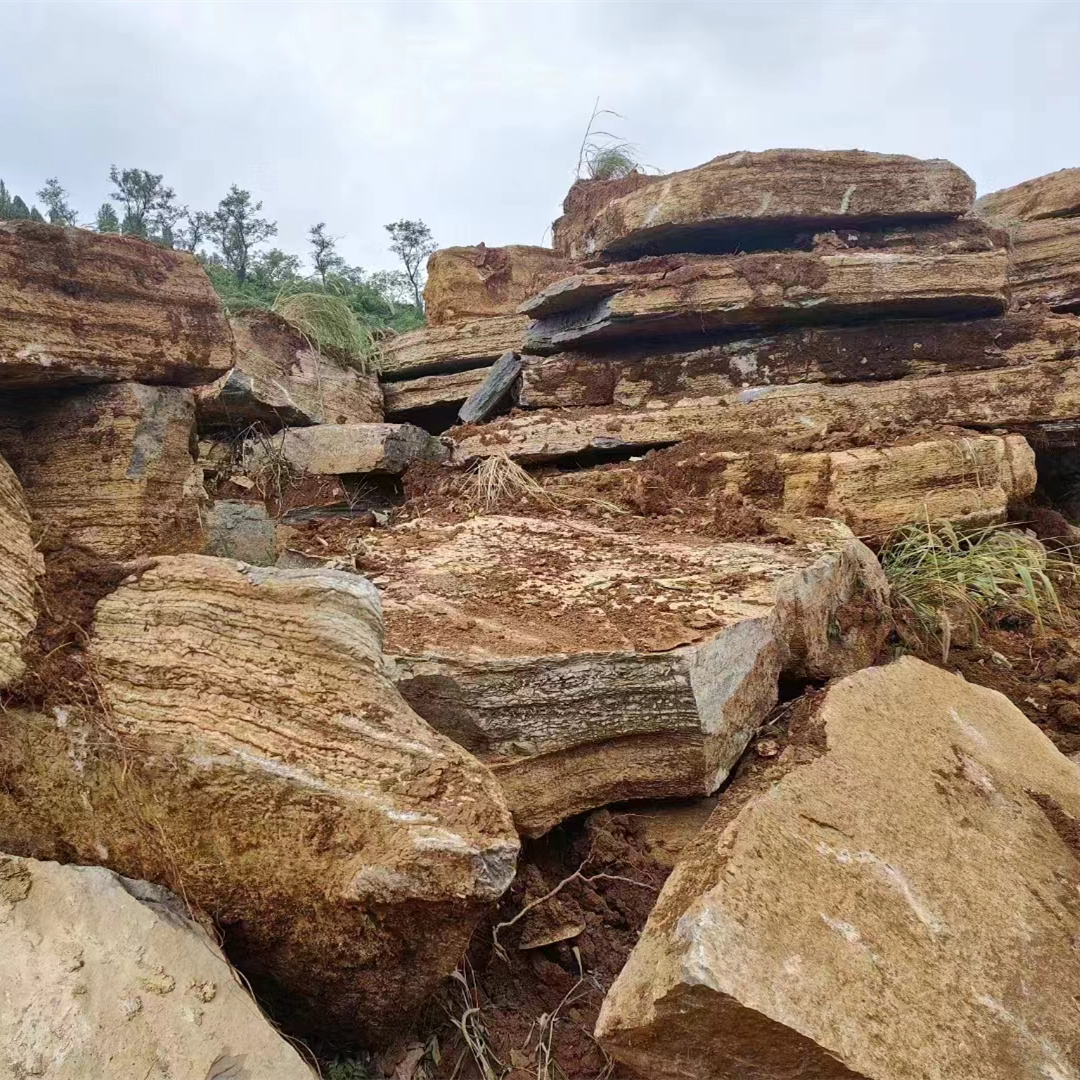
x=494, y=392
x=918, y=835
x=476, y=343
x=1054, y=195
x=343, y=449
x=280, y=379
x=430, y=391
x=645, y=373
x=84, y=307
x=20, y=566
x=681, y=295
x=796, y=417
x=587, y=666
x=736, y=199
x=1044, y=263
x=466, y=283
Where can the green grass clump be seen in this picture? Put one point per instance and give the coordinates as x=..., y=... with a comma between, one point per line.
x=611, y=162
x=328, y=322
x=942, y=576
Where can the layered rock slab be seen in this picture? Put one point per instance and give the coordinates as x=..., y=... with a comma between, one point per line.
x=112, y=469
x=693, y=295
x=789, y=418
x=1054, y=195
x=432, y=391
x=1044, y=263
x=477, y=282
x=271, y=769
x=109, y=977
x=583, y=201
x=475, y=343
x=642, y=373
x=20, y=566
x=342, y=449
x=738, y=198
x=83, y=307
x=587, y=666
x=280, y=379
x=875, y=906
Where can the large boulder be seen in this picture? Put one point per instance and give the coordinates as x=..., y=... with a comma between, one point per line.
x=647, y=372
x=82, y=307
x=896, y=900
x=343, y=449
x=476, y=343
x=736, y=200
x=282, y=379
x=584, y=200
x=253, y=754
x=691, y=295
x=112, y=469
x=588, y=665
x=1054, y=195
x=478, y=282
x=109, y=977
x=796, y=417
x=20, y=566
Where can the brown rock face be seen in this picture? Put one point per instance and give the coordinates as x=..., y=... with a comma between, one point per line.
x=589, y=666
x=1044, y=264
x=342, y=449
x=112, y=469
x=745, y=199
x=428, y=391
x=271, y=770
x=584, y=199
x=451, y=348
x=280, y=379
x=1056, y=194
x=634, y=375
x=84, y=307
x=478, y=282
x=896, y=900
x=20, y=565
x=685, y=295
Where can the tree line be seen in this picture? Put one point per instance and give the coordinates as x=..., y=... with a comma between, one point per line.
x=231, y=242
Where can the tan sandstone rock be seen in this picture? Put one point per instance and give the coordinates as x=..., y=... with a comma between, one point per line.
x=432, y=391
x=281, y=380
x=258, y=757
x=109, y=977
x=478, y=282
x=584, y=199
x=78, y=306
x=687, y=295
x=475, y=343
x=588, y=665
x=644, y=373
x=20, y=566
x=112, y=469
x=1054, y=195
x=896, y=900
x=341, y=449
x=796, y=417
x=1044, y=263
x=739, y=197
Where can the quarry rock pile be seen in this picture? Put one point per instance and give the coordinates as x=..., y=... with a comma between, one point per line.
x=353, y=655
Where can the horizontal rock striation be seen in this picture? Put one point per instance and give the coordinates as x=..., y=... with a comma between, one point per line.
x=434, y=349
x=1054, y=195
x=342, y=449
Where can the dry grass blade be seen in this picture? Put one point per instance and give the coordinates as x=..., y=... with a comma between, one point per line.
x=497, y=480
x=328, y=322
x=473, y=1030
x=940, y=574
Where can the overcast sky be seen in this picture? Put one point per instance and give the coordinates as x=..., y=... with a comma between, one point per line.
x=469, y=115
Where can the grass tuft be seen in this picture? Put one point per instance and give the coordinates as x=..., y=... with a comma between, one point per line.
x=942, y=576
x=328, y=322
x=611, y=162
x=498, y=479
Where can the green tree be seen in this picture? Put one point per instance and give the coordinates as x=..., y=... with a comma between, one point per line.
x=36, y=215
x=237, y=230
x=149, y=206
x=58, y=208
x=196, y=229
x=274, y=269
x=107, y=221
x=5, y=202
x=324, y=254
x=412, y=243
x=19, y=210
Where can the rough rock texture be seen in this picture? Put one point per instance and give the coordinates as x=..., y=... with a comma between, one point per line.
x=797, y=417
x=1056, y=194
x=82, y=307
x=970, y=479
x=897, y=900
x=494, y=393
x=1044, y=264
x=280, y=380
x=584, y=199
x=112, y=469
x=241, y=530
x=451, y=348
x=429, y=391
x=688, y=295
x=647, y=373
x=588, y=666
x=340, y=449
x=271, y=770
x=20, y=566
x=108, y=977
x=738, y=199
x=478, y=282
